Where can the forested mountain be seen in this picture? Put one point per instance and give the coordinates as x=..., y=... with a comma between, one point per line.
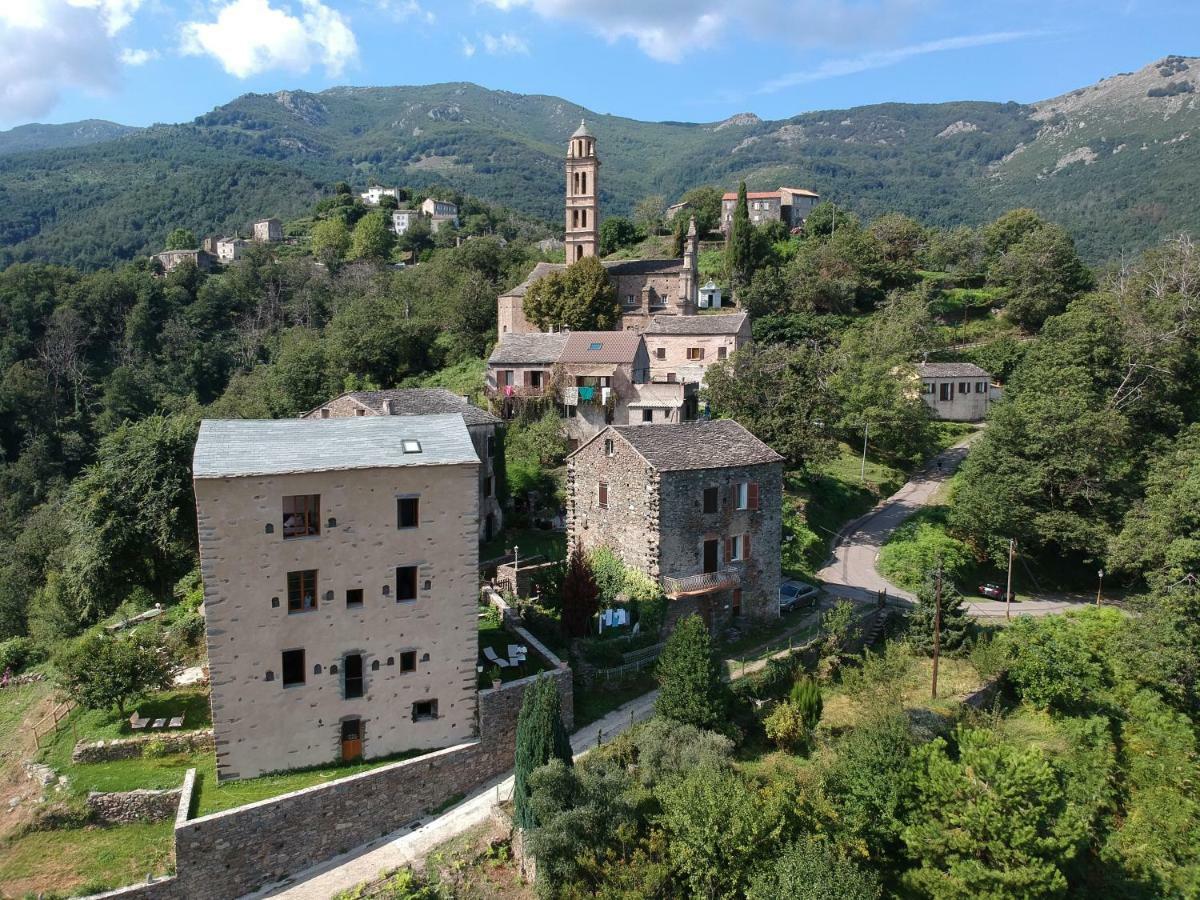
x=36, y=136
x=1115, y=163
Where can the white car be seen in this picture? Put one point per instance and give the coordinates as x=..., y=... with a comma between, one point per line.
x=796, y=595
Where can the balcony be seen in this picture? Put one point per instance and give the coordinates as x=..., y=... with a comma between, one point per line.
x=706, y=583
x=514, y=391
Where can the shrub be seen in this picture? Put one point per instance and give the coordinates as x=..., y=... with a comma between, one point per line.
x=916, y=548
x=609, y=573
x=155, y=748
x=814, y=869
x=786, y=727
x=1051, y=665
x=989, y=657
x=664, y=749
x=17, y=653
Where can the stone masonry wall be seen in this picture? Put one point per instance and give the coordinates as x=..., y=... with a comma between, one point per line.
x=134, y=747
x=133, y=806
x=629, y=526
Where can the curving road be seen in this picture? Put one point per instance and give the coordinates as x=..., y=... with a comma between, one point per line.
x=850, y=571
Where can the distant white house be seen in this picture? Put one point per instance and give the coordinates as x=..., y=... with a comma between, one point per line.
x=402, y=219
x=374, y=195
x=230, y=249
x=267, y=231
x=956, y=392
x=440, y=211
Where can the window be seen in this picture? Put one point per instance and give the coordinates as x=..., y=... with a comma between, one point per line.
x=360, y=412
x=981, y=387
x=710, y=499
x=301, y=515
x=569, y=412
x=302, y=590
x=711, y=561
x=406, y=583
x=737, y=547
x=408, y=512
x=721, y=351
x=535, y=379
x=487, y=486
x=491, y=446
x=354, y=597
x=946, y=390
x=325, y=412
x=424, y=709
x=647, y=415
x=602, y=495
x=609, y=447
x=964, y=387
x=411, y=446
x=927, y=387
x=596, y=345
x=745, y=495
x=408, y=661
x=506, y=377
x=660, y=352
x=737, y=602
x=695, y=353
x=293, y=667
x=354, y=676
x=630, y=300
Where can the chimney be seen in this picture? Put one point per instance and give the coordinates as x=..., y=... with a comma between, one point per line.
x=388, y=408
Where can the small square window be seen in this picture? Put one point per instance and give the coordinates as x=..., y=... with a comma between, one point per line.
x=411, y=446
x=424, y=709
x=595, y=346
x=609, y=447
x=710, y=499
x=408, y=512
x=647, y=415
x=721, y=351
x=354, y=597
x=660, y=352
x=293, y=667
x=408, y=661
x=301, y=516
x=406, y=583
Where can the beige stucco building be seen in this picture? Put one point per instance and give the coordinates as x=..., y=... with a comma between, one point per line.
x=268, y=231
x=339, y=560
x=682, y=348
x=956, y=392
x=486, y=432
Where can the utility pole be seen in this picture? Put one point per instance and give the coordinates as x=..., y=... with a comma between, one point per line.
x=862, y=472
x=1012, y=547
x=937, y=627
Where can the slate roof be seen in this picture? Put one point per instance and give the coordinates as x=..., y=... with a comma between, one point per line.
x=725, y=323
x=613, y=267
x=230, y=448
x=714, y=444
x=423, y=402
x=528, y=349
x=951, y=370
x=614, y=347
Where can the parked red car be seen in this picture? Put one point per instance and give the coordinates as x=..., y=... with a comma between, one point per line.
x=994, y=591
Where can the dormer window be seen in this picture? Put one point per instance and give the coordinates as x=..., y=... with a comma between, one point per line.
x=596, y=346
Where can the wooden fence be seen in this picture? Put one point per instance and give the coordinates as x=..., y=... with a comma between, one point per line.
x=50, y=723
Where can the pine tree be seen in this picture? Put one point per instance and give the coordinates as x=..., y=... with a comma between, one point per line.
x=580, y=595
x=956, y=625
x=691, y=689
x=541, y=737
x=806, y=695
x=739, y=251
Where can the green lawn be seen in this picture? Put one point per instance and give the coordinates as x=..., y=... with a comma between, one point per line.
x=492, y=634
x=530, y=541
x=75, y=861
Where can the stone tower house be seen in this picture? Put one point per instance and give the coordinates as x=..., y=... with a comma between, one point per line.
x=583, y=209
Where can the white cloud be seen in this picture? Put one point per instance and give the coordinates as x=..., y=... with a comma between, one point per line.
x=835, y=68
x=504, y=44
x=138, y=57
x=47, y=46
x=117, y=14
x=252, y=36
x=668, y=30
x=402, y=10
x=468, y=48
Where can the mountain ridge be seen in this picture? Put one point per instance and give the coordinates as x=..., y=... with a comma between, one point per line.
x=959, y=162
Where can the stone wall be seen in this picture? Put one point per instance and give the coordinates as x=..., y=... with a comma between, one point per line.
x=133, y=806
x=520, y=582
x=629, y=526
x=134, y=747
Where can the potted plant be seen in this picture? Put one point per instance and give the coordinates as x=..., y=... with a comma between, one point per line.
x=494, y=675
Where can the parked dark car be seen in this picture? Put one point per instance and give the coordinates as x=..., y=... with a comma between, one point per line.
x=994, y=591
x=796, y=595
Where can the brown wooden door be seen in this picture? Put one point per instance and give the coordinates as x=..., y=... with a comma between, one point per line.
x=352, y=740
x=711, y=563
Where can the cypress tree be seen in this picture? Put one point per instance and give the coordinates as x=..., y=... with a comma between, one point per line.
x=806, y=695
x=691, y=690
x=580, y=595
x=739, y=251
x=956, y=625
x=541, y=737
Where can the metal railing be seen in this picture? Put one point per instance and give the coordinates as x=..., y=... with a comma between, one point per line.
x=701, y=584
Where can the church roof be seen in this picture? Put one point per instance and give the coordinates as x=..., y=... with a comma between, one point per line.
x=613, y=267
x=582, y=130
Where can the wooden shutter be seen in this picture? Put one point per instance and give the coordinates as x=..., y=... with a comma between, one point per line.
x=746, y=545
x=728, y=549
x=733, y=495
x=752, y=495
x=603, y=494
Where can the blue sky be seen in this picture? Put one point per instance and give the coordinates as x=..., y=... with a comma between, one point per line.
x=144, y=61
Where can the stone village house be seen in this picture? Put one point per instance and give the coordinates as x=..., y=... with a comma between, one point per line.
x=956, y=392
x=340, y=565
x=788, y=205
x=486, y=432
x=696, y=506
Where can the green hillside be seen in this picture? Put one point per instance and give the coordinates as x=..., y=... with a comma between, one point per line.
x=36, y=136
x=1114, y=162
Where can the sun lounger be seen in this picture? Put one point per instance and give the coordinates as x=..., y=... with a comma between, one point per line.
x=176, y=722
x=493, y=658
x=137, y=723
x=159, y=723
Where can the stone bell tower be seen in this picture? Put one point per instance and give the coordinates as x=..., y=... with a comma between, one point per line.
x=583, y=208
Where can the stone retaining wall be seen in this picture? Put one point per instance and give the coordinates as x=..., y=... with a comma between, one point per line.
x=134, y=747
x=123, y=807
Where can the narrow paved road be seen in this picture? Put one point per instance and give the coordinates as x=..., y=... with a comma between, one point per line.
x=851, y=570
